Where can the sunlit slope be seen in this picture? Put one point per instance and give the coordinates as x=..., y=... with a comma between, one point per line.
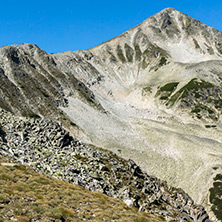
x=152, y=94
x=160, y=84
x=26, y=195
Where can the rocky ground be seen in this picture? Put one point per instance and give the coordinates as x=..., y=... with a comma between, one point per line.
x=46, y=146
x=26, y=195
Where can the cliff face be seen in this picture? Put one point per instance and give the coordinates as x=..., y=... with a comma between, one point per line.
x=152, y=94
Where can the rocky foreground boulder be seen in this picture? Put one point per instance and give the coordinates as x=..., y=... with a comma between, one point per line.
x=44, y=145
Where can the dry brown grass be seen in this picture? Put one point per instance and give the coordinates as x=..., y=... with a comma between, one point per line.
x=26, y=195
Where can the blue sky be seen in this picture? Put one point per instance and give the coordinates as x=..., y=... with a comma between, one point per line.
x=57, y=26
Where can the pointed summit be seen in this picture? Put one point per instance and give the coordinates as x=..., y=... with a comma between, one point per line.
x=167, y=17
x=183, y=39
x=169, y=10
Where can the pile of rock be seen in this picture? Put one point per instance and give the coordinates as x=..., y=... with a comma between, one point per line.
x=46, y=146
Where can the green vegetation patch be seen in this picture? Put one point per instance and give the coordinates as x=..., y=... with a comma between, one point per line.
x=120, y=54
x=202, y=98
x=218, y=177
x=197, y=46
x=153, y=53
x=138, y=52
x=163, y=61
x=129, y=52
x=166, y=91
x=216, y=196
x=169, y=87
x=193, y=85
x=29, y=196
x=198, y=108
x=215, y=168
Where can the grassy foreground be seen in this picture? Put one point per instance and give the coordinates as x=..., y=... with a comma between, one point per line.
x=26, y=195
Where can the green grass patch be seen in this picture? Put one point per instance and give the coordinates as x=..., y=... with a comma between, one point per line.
x=4, y=200
x=218, y=177
x=169, y=87
x=166, y=91
x=42, y=180
x=120, y=54
x=216, y=197
x=5, y=177
x=163, y=61
x=27, y=195
x=138, y=52
x=193, y=85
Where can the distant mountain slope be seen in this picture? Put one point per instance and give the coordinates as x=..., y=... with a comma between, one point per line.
x=32, y=85
x=152, y=94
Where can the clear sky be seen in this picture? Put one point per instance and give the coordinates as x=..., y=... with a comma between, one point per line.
x=60, y=25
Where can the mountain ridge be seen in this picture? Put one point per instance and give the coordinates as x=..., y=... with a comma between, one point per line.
x=153, y=95
x=164, y=11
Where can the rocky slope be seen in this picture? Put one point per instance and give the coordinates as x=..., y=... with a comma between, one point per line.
x=46, y=146
x=152, y=94
x=26, y=195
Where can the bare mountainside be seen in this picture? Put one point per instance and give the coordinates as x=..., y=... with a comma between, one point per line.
x=152, y=94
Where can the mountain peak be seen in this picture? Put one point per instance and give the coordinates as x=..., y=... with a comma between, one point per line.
x=169, y=10
x=169, y=13
x=183, y=38
x=172, y=12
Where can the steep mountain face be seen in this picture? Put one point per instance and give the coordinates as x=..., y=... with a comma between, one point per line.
x=32, y=85
x=152, y=94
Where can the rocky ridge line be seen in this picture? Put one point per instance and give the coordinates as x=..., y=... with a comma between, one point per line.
x=46, y=146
